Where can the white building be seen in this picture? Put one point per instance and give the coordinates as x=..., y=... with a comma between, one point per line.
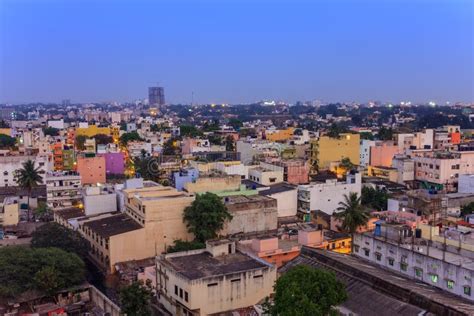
x=267, y=174
x=286, y=196
x=365, y=145
x=325, y=196
x=405, y=169
x=466, y=183
x=98, y=200
x=58, y=124
x=63, y=189
x=449, y=267
x=9, y=164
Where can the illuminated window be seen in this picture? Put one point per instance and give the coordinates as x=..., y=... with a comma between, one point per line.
x=467, y=290
x=450, y=284
x=434, y=278
x=419, y=272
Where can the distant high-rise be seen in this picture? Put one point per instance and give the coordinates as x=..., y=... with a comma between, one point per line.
x=156, y=96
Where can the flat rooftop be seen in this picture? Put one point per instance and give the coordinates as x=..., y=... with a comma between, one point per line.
x=68, y=213
x=113, y=225
x=278, y=188
x=203, y=265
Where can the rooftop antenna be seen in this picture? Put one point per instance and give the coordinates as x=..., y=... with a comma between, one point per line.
x=192, y=98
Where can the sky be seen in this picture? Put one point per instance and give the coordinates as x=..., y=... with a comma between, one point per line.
x=231, y=51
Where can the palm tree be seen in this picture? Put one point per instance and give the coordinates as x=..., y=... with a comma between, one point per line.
x=28, y=177
x=352, y=215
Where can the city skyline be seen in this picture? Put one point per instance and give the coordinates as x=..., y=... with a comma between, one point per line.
x=93, y=51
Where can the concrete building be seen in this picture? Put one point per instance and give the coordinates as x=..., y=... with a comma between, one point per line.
x=266, y=174
x=295, y=171
x=466, y=183
x=10, y=163
x=325, y=150
x=286, y=196
x=405, y=169
x=156, y=96
x=382, y=153
x=10, y=211
x=365, y=146
x=446, y=262
x=63, y=189
x=114, y=163
x=325, y=196
x=184, y=176
x=98, y=199
x=219, y=281
x=213, y=182
x=91, y=169
x=153, y=220
x=252, y=213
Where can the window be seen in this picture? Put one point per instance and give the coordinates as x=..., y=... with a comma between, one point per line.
x=186, y=297
x=450, y=284
x=403, y=266
x=176, y=289
x=235, y=280
x=391, y=261
x=378, y=256
x=434, y=278
x=356, y=248
x=181, y=293
x=467, y=290
x=272, y=180
x=418, y=272
x=212, y=284
x=366, y=252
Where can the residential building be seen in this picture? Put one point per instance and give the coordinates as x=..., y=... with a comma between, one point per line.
x=92, y=130
x=152, y=221
x=445, y=262
x=266, y=174
x=213, y=182
x=11, y=163
x=295, y=171
x=114, y=163
x=325, y=150
x=99, y=199
x=10, y=211
x=386, y=173
x=92, y=169
x=184, y=176
x=156, y=96
x=405, y=169
x=220, y=280
x=365, y=146
x=286, y=196
x=281, y=135
x=382, y=153
x=63, y=189
x=250, y=214
x=325, y=196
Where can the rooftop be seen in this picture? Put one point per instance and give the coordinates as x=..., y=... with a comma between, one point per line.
x=205, y=265
x=113, y=225
x=69, y=213
x=278, y=188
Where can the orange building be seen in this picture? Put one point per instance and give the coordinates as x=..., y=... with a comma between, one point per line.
x=381, y=154
x=272, y=250
x=455, y=138
x=92, y=169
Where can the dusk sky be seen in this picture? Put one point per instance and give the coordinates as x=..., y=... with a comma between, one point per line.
x=237, y=51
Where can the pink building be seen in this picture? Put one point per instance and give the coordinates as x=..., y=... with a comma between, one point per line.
x=114, y=163
x=91, y=169
x=295, y=171
x=382, y=153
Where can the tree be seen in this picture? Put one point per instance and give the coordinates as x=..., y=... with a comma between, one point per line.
x=28, y=177
x=43, y=212
x=6, y=141
x=215, y=139
x=80, y=141
x=229, y=143
x=374, y=198
x=46, y=270
x=205, y=217
x=55, y=235
x=467, y=209
x=346, y=164
x=304, y=290
x=366, y=135
x=102, y=139
x=170, y=147
x=351, y=214
x=235, y=123
x=128, y=137
x=51, y=131
x=181, y=245
x=135, y=299
x=385, y=133
x=190, y=131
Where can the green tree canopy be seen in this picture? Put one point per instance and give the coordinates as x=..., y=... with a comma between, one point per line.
x=102, y=139
x=128, y=137
x=54, y=235
x=229, y=143
x=44, y=269
x=205, y=217
x=135, y=299
x=189, y=131
x=51, y=131
x=80, y=141
x=385, y=133
x=304, y=290
x=467, y=209
x=6, y=141
x=181, y=245
x=351, y=214
x=374, y=198
x=235, y=123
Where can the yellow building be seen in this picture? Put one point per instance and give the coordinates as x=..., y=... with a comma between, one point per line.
x=153, y=221
x=6, y=131
x=93, y=130
x=9, y=211
x=280, y=135
x=325, y=150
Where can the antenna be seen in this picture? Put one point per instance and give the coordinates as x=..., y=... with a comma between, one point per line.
x=192, y=98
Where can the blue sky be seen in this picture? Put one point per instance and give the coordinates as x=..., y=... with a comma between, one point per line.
x=231, y=51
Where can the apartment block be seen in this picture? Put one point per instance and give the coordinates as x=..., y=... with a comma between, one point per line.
x=92, y=169
x=63, y=189
x=325, y=150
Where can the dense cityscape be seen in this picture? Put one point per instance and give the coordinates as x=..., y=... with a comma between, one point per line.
x=236, y=158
